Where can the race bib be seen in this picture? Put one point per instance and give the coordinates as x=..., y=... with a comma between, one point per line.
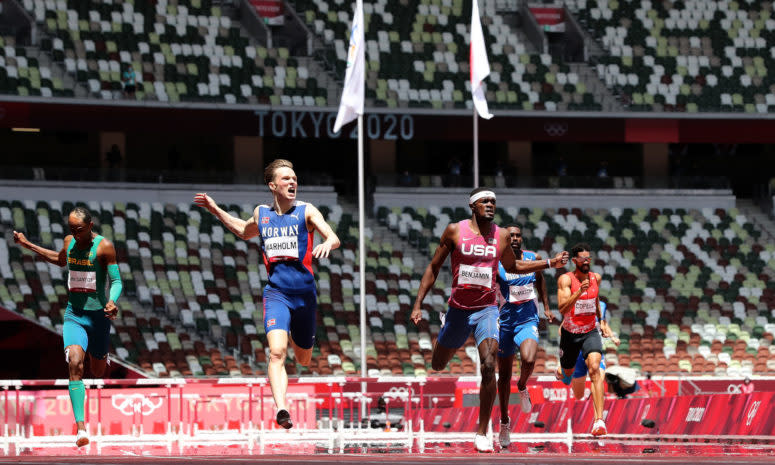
x=585, y=307
x=522, y=293
x=82, y=281
x=281, y=248
x=478, y=276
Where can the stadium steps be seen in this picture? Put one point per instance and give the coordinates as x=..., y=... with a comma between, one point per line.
x=57, y=71
x=597, y=87
x=757, y=216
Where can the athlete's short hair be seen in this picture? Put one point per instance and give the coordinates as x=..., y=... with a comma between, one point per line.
x=479, y=189
x=274, y=166
x=514, y=225
x=578, y=248
x=83, y=213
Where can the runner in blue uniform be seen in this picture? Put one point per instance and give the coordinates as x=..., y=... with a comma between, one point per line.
x=518, y=329
x=580, y=373
x=286, y=231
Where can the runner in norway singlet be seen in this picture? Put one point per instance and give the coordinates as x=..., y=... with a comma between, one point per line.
x=286, y=245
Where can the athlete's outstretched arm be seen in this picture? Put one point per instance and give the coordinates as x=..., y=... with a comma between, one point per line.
x=512, y=265
x=446, y=246
x=540, y=287
x=106, y=254
x=242, y=228
x=51, y=256
x=330, y=239
x=565, y=298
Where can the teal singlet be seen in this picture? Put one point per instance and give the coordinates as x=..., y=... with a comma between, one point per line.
x=86, y=277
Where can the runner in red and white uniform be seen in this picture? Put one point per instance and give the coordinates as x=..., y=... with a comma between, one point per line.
x=577, y=297
x=477, y=246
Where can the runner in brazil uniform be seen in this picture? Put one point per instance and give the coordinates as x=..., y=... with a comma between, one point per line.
x=286, y=230
x=91, y=260
x=518, y=329
x=577, y=297
x=476, y=246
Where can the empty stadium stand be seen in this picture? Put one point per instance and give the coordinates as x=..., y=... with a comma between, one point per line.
x=180, y=51
x=685, y=56
x=417, y=56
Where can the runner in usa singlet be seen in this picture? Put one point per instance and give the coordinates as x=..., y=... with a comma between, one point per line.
x=583, y=317
x=475, y=268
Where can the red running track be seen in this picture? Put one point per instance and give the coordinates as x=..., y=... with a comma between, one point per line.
x=584, y=452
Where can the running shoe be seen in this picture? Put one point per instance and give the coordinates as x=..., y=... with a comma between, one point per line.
x=599, y=429
x=524, y=400
x=483, y=444
x=504, y=437
x=82, y=438
x=284, y=419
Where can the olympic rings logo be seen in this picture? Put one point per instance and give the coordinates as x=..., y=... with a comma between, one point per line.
x=128, y=404
x=396, y=393
x=556, y=129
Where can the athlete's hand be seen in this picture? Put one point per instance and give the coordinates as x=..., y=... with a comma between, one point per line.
x=203, y=200
x=321, y=250
x=615, y=340
x=416, y=315
x=560, y=260
x=20, y=239
x=584, y=286
x=111, y=311
x=548, y=314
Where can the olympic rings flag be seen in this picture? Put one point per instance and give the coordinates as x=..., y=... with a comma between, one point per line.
x=354, y=80
x=480, y=66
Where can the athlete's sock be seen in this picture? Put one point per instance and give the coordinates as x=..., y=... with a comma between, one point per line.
x=77, y=398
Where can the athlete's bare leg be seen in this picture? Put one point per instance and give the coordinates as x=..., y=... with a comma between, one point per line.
x=97, y=366
x=441, y=356
x=303, y=356
x=278, y=377
x=598, y=387
x=488, y=352
x=75, y=358
x=577, y=386
x=527, y=355
x=505, y=368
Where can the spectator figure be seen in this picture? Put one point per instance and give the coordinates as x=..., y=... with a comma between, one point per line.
x=649, y=386
x=406, y=179
x=113, y=157
x=455, y=172
x=747, y=386
x=562, y=167
x=602, y=172
x=129, y=79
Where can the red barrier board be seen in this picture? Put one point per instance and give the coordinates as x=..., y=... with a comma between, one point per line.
x=209, y=407
x=715, y=415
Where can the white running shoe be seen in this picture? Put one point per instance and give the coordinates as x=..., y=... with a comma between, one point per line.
x=599, y=429
x=524, y=400
x=483, y=444
x=504, y=437
x=82, y=438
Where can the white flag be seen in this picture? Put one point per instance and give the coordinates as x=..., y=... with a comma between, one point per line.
x=480, y=67
x=354, y=79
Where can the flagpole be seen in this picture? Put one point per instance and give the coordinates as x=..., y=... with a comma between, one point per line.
x=476, y=150
x=362, y=250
